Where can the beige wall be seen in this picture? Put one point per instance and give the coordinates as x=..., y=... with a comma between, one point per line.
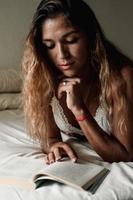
x=116, y=18
x=15, y=17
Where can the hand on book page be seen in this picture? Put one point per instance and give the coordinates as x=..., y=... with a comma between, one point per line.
x=81, y=175
x=58, y=150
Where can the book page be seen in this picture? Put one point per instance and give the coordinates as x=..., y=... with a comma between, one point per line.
x=85, y=152
x=75, y=174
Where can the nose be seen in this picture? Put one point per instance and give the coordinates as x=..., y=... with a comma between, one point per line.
x=62, y=51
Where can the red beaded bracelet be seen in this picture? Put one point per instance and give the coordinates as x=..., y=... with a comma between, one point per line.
x=80, y=118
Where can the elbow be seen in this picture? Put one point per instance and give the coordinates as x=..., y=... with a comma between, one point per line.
x=129, y=154
x=120, y=157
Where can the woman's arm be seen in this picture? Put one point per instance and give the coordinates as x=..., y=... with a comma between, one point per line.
x=115, y=147
x=118, y=146
x=107, y=146
x=56, y=148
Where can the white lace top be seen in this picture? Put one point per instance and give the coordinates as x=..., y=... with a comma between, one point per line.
x=67, y=128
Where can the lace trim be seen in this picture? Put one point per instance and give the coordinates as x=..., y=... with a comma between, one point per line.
x=101, y=119
x=59, y=114
x=62, y=121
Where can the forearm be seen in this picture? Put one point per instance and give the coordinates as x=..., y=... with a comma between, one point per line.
x=107, y=146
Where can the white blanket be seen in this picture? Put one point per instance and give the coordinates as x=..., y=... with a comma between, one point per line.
x=21, y=158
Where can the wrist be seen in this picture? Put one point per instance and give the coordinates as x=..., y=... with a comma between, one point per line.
x=80, y=114
x=53, y=140
x=79, y=111
x=81, y=118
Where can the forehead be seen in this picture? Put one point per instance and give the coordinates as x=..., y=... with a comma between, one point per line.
x=58, y=25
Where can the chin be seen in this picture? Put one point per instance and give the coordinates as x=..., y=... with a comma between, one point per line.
x=70, y=74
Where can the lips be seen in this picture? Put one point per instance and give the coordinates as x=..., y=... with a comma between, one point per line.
x=66, y=66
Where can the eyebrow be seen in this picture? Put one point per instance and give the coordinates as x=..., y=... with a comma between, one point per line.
x=65, y=35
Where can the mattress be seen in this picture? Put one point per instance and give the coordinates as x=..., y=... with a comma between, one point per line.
x=21, y=158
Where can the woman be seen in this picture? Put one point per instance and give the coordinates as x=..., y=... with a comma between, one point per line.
x=77, y=82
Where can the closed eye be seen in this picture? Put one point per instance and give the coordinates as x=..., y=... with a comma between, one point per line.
x=48, y=44
x=71, y=41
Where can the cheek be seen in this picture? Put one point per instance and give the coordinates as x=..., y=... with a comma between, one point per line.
x=81, y=53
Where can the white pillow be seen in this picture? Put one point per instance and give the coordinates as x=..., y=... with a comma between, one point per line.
x=10, y=80
x=10, y=101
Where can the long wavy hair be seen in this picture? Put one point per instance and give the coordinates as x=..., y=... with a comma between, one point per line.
x=40, y=74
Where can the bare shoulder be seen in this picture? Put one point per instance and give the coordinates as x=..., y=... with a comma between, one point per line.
x=124, y=135
x=127, y=74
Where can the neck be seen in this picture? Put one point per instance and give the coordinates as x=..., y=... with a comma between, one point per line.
x=89, y=77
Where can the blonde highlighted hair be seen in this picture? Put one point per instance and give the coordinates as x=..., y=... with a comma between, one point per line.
x=40, y=75
x=37, y=92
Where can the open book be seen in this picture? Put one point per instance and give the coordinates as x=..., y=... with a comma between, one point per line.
x=87, y=173
x=80, y=175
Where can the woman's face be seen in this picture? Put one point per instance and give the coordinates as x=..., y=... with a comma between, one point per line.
x=66, y=47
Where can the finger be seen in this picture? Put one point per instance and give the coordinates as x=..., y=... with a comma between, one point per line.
x=57, y=154
x=72, y=155
x=78, y=80
x=46, y=160
x=64, y=88
x=66, y=84
x=61, y=91
x=51, y=157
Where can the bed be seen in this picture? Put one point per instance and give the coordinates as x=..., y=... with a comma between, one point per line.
x=21, y=158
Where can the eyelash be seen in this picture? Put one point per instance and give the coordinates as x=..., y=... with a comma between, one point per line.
x=49, y=47
x=75, y=40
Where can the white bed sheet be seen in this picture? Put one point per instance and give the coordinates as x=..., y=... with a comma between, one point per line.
x=21, y=157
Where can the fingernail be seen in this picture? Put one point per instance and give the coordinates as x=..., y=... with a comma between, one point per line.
x=58, y=159
x=74, y=160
